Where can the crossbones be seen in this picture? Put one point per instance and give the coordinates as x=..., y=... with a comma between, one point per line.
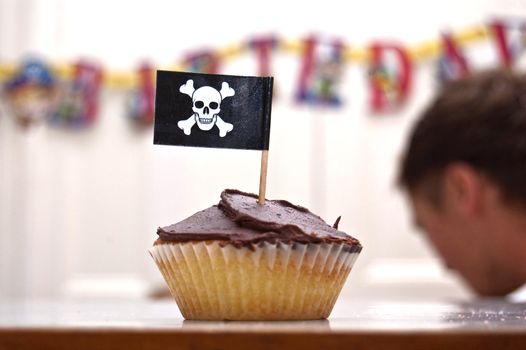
x=206, y=104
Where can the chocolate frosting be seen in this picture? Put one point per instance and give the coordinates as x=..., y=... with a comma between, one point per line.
x=240, y=220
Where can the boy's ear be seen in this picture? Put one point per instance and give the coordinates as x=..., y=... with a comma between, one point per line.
x=463, y=188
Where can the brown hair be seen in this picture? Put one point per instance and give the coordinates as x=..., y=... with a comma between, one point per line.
x=479, y=120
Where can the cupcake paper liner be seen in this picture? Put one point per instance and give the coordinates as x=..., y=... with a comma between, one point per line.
x=211, y=280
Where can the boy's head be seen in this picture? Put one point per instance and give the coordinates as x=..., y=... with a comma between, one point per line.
x=465, y=171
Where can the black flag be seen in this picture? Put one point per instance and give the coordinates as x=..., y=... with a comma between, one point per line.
x=212, y=110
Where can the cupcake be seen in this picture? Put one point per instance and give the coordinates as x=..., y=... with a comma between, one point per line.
x=240, y=260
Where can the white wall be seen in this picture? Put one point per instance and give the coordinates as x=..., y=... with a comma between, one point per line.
x=78, y=210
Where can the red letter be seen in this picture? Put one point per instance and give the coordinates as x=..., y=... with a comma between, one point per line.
x=455, y=58
x=263, y=48
x=389, y=89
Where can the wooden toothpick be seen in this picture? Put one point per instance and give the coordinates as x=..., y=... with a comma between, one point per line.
x=263, y=177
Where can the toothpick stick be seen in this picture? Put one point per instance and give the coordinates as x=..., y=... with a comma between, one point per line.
x=263, y=177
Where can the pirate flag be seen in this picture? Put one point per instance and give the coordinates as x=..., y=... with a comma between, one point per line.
x=212, y=110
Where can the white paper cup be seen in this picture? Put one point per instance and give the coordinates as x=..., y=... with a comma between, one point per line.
x=213, y=280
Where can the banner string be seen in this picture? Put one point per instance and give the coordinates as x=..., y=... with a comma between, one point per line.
x=418, y=53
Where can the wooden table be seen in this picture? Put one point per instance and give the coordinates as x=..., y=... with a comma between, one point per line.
x=354, y=324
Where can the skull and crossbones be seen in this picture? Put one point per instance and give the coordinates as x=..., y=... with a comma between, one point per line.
x=206, y=105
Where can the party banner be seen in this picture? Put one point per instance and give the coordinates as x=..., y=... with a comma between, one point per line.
x=79, y=99
x=31, y=93
x=141, y=108
x=390, y=75
x=452, y=64
x=510, y=39
x=321, y=72
x=263, y=47
x=206, y=61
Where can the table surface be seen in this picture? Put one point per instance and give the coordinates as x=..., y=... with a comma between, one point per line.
x=365, y=324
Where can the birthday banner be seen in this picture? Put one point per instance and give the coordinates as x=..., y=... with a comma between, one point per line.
x=67, y=96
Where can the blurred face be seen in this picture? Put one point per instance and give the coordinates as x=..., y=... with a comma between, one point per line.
x=474, y=231
x=457, y=238
x=441, y=228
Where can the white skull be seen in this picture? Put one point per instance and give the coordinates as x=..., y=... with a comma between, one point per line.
x=206, y=106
